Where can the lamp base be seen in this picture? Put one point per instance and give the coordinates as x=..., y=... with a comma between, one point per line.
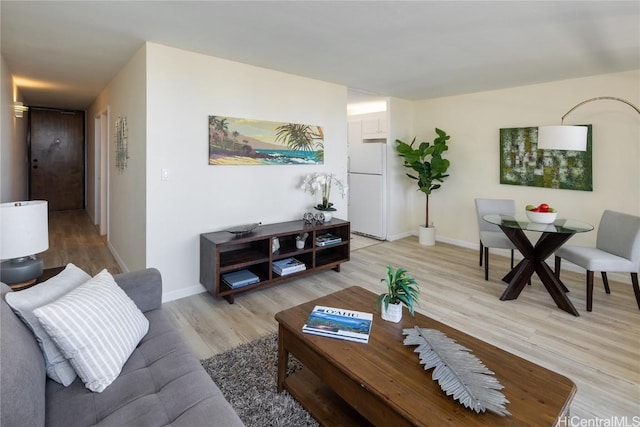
x=21, y=270
x=21, y=286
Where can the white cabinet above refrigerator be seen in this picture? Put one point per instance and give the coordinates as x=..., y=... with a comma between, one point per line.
x=374, y=128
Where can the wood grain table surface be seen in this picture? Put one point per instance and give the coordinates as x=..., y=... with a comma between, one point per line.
x=384, y=382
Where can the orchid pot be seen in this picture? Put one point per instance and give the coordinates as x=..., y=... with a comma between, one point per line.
x=323, y=183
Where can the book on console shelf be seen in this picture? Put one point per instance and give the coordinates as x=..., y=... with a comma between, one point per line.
x=288, y=266
x=339, y=323
x=240, y=278
x=327, y=239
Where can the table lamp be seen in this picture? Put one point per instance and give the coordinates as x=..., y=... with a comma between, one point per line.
x=24, y=234
x=567, y=137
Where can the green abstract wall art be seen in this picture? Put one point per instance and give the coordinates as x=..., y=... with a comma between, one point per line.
x=521, y=163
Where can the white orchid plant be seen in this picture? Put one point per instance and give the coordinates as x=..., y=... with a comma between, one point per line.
x=322, y=183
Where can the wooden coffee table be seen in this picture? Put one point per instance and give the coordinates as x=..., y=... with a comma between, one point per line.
x=383, y=383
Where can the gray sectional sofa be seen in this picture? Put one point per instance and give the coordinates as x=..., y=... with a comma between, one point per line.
x=161, y=384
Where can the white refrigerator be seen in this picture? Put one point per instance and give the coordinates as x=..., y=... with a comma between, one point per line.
x=367, y=188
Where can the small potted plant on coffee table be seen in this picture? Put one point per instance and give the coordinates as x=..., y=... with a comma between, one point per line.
x=401, y=289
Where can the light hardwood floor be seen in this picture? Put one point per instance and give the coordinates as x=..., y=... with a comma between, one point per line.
x=599, y=351
x=73, y=238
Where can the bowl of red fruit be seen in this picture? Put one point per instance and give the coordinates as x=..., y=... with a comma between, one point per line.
x=541, y=214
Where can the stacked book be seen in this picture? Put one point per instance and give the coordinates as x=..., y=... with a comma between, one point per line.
x=240, y=278
x=339, y=323
x=327, y=239
x=288, y=266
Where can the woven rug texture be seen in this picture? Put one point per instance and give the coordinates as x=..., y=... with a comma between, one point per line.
x=247, y=377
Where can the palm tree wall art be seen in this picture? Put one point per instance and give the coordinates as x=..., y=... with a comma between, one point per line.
x=238, y=141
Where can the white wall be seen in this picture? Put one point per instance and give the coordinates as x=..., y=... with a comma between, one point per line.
x=126, y=95
x=402, y=190
x=14, y=167
x=168, y=94
x=474, y=121
x=183, y=89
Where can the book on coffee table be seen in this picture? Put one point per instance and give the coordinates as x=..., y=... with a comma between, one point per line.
x=339, y=323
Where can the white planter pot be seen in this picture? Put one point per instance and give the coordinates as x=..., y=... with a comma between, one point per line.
x=427, y=235
x=393, y=313
x=327, y=214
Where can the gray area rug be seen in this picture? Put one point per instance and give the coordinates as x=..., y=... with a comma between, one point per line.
x=247, y=377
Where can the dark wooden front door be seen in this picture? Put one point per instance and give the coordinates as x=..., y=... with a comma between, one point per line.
x=57, y=158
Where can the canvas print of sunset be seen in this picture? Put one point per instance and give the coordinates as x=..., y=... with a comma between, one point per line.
x=236, y=141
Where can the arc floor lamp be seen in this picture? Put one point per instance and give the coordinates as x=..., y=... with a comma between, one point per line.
x=567, y=137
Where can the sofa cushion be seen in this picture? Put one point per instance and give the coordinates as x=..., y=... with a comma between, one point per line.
x=97, y=327
x=22, y=371
x=162, y=383
x=24, y=302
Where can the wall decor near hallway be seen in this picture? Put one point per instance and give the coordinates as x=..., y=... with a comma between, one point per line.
x=122, y=143
x=236, y=141
x=521, y=163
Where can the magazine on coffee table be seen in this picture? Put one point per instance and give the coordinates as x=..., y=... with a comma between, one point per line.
x=339, y=323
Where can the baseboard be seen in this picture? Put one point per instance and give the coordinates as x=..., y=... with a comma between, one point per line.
x=198, y=289
x=393, y=237
x=182, y=293
x=168, y=296
x=117, y=257
x=462, y=243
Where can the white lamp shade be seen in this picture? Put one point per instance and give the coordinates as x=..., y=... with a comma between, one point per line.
x=562, y=138
x=24, y=227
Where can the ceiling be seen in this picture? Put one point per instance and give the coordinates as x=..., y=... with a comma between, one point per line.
x=63, y=53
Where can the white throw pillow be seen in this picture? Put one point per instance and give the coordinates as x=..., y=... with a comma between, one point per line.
x=97, y=327
x=24, y=302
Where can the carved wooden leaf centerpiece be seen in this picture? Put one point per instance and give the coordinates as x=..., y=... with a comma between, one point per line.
x=459, y=373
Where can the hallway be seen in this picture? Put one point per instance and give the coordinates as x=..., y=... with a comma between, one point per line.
x=73, y=238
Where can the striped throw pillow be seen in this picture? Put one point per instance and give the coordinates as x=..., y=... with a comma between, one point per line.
x=24, y=302
x=97, y=327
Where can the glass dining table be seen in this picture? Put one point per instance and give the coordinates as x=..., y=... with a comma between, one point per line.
x=552, y=236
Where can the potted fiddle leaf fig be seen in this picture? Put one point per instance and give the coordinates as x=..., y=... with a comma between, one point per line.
x=402, y=289
x=430, y=170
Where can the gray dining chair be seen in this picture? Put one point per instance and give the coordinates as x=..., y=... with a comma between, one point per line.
x=491, y=236
x=617, y=250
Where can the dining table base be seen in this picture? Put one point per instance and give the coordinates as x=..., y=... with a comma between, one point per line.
x=534, y=261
